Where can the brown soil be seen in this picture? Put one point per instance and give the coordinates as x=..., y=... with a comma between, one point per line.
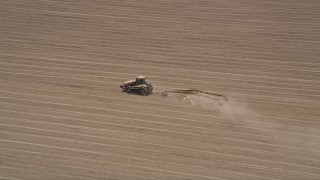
x=63, y=115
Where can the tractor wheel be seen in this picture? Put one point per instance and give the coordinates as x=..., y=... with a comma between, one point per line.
x=144, y=92
x=128, y=90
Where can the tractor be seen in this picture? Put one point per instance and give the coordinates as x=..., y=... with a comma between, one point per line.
x=138, y=86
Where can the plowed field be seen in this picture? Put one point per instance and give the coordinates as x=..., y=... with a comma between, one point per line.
x=63, y=115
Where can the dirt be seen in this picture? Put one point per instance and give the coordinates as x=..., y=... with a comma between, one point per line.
x=63, y=115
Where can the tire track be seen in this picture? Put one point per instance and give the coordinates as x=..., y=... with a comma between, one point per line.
x=255, y=144
x=30, y=128
x=240, y=173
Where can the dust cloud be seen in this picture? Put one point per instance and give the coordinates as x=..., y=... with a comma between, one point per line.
x=230, y=109
x=235, y=111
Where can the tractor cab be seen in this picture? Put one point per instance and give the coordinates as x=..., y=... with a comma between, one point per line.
x=140, y=80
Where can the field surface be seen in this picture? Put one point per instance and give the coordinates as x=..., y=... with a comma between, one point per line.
x=63, y=115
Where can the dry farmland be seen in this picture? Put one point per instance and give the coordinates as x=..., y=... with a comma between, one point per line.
x=63, y=115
